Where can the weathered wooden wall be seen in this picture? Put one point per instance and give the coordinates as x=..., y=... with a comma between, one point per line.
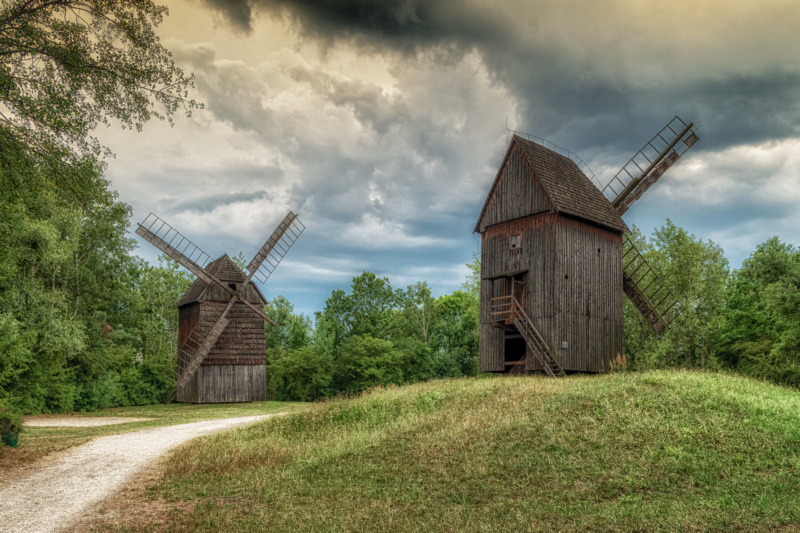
x=516, y=193
x=242, y=342
x=235, y=369
x=226, y=384
x=574, y=289
x=216, y=293
x=588, y=289
x=536, y=256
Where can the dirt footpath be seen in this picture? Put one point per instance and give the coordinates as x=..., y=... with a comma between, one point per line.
x=54, y=494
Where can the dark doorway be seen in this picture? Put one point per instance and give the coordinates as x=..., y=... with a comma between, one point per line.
x=515, y=347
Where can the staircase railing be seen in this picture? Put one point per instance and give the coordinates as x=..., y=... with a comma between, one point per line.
x=508, y=308
x=535, y=341
x=501, y=309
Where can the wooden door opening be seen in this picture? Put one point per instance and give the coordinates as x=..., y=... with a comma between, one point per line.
x=514, y=346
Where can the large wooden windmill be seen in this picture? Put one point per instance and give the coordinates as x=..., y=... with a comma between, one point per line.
x=556, y=258
x=221, y=350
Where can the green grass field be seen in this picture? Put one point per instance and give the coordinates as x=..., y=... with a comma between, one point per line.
x=651, y=451
x=36, y=442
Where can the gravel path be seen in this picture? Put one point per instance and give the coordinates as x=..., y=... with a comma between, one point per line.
x=54, y=495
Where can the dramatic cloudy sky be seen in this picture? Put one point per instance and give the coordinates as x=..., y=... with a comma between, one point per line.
x=383, y=123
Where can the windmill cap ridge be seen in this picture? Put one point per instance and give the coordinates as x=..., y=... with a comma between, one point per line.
x=568, y=188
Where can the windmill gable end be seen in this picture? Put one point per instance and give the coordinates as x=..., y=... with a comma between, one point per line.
x=227, y=271
x=515, y=193
x=534, y=179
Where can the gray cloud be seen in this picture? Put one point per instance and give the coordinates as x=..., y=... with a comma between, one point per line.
x=237, y=13
x=207, y=203
x=586, y=75
x=393, y=167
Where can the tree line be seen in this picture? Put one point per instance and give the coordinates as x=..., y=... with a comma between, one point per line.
x=86, y=324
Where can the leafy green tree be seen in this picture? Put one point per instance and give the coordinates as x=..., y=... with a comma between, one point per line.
x=762, y=317
x=365, y=362
x=413, y=338
x=292, y=331
x=697, y=274
x=67, y=66
x=456, y=334
x=76, y=306
x=300, y=374
x=418, y=312
x=371, y=308
x=472, y=285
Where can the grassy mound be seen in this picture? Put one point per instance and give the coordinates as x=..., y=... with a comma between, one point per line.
x=652, y=451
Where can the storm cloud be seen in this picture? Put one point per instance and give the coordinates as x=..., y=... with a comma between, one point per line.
x=383, y=123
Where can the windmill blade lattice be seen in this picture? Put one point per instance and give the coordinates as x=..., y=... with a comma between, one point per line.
x=157, y=231
x=649, y=164
x=269, y=256
x=646, y=289
x=170, y=241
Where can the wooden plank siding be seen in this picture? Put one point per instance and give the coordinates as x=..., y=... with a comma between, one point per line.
x=574, y=292
x=584, y=308
x=226, y=384
x=241, y=343
x=536, y=257
x=188, y=316
x=516, y=194
x=587, y=296
x=217, y=294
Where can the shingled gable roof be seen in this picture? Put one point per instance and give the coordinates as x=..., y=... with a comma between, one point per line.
x=568, y=189
x=225, y=270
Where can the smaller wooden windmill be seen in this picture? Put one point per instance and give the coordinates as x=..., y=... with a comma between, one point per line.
x=221, y=351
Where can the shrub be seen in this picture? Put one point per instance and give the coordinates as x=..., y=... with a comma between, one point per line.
x=10, y=420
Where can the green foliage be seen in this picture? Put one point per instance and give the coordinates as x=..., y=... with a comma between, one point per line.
x=10, y=419
x=292, y=331
x=68, y=66
x=77, y=307
x=456, y=333
x=369, y=309
x=762, y=335
x=377, y=335
x=696, y=272
x=300, y=374
x=472, y=285
x=364, y=362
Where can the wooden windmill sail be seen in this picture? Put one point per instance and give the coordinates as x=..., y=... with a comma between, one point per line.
x=236, y=286
x=643, y=286
x=556, y=258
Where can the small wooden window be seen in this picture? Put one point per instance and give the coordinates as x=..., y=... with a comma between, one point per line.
x=516, y=242
x=232, y=286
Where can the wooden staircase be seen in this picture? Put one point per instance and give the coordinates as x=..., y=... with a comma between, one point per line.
x=645, y=288
x=507, y=310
